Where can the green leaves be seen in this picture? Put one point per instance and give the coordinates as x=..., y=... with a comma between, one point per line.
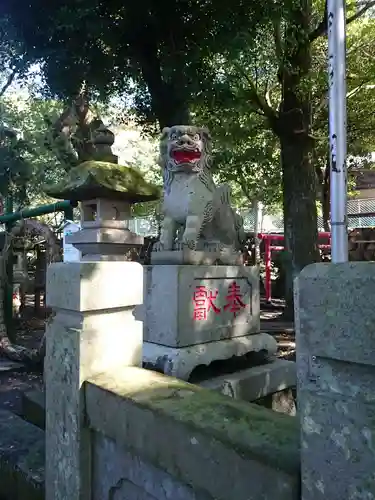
x=30, y=162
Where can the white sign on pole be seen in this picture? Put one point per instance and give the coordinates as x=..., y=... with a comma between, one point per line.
x=71, y=254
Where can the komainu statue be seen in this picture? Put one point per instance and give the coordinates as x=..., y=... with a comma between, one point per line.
x=198, y=216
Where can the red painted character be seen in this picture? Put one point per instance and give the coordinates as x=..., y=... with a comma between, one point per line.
x=234, y=299
x=203, y=299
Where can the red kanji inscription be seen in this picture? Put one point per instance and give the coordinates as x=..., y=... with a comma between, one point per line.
x=203, y=299
x=234, y=299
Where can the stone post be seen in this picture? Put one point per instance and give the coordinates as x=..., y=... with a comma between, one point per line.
x=335, y=318
x=93, y=329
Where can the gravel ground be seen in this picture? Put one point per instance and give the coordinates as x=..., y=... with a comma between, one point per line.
x=29, y=332
x=13, y=384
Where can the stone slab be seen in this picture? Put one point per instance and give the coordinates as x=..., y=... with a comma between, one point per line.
x=34, y=408
x=335, y=342
x=93, y=330
x=256, y=382
x=180, y=362
x=196, y=257
x=125, y=476
x=94, y=286
x=104, y=235
x=188, y=305
x=21, y=459
x=337, y=448
x=335, y=305
x=283, y=401
x=9, y=366
x=227, y=448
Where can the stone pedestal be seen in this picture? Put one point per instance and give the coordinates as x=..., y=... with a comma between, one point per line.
x=93, y=331
x=194, y=315
x=206, y=254
x=335, y=319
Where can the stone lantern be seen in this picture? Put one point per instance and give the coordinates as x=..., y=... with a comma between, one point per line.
x=106, y=192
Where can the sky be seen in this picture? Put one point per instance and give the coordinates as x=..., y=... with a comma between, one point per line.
x=35, y=81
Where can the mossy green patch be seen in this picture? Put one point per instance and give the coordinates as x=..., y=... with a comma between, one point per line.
x=253, y=431
x=98, y=179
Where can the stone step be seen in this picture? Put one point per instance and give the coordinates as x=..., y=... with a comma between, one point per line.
x=255, y=383
x=34, y=408
x=8, y=366
x=21, y=459
x=268, y=385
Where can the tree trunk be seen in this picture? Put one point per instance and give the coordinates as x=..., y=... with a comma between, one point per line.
x=300, y=215
x=299, y=178
x=168, y=99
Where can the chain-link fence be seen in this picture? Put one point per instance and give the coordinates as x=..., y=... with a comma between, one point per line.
x=361, y=213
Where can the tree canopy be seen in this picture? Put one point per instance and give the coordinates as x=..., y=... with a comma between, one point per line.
x=254, y=73
x=155, y=50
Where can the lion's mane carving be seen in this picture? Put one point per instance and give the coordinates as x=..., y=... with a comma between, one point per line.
x=197, y=213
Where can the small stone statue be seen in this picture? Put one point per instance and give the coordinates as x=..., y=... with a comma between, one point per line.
x=78, y=135
x=197, y=214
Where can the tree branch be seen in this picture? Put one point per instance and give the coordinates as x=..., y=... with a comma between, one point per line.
x=242, y=183
x=267, y=96
x=351, y=93
x=322, y=27
x=17, y=67
x=360, y=12
x=8, y=82
x=259, y=101
x=354, y=91
x=277, y=40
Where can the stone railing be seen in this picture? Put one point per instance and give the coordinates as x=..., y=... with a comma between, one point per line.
x=116, y=431
x=335, y=318
x=156, y=437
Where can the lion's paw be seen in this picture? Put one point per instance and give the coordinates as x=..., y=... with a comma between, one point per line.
x=189, y=243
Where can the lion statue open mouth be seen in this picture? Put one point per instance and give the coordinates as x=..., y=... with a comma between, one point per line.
x=196, y=211
x=185, y=156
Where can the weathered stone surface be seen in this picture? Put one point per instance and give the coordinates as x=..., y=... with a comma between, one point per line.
x=203, y=255
x=91, y=286
x=100, y=179
x=180, y=362
x=93, y=331
x=256, y=382
x=281, y=401
x=336, y=380
x=214, y=444
x=174, y=317
x=34, y=408
x=21, y=459
x=9, y=366
x=331, y=306
x=105, y=233
x=124, y=476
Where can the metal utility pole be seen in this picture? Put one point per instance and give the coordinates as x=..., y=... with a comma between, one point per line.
x=337, y=128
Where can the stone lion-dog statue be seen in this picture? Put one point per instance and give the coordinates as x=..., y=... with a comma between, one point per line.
x=197, y=213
